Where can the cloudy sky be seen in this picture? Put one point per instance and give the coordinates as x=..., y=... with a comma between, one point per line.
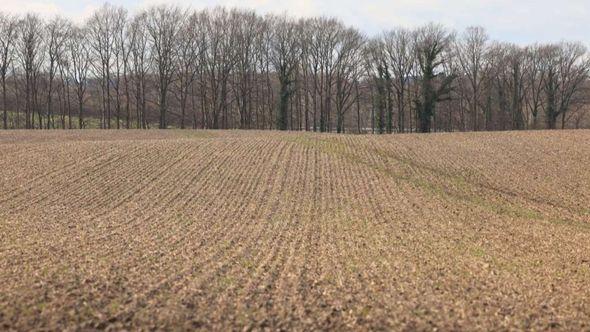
x=519, y=21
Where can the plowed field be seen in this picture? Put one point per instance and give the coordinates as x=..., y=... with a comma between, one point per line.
x=250, y=230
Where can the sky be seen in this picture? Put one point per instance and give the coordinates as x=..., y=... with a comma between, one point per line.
x=521, y=22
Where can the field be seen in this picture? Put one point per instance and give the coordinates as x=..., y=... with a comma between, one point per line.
x=252, y=230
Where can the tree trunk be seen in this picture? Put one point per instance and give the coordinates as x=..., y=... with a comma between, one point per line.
x=4, y=104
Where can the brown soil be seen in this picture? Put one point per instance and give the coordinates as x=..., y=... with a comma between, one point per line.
x=253, y=230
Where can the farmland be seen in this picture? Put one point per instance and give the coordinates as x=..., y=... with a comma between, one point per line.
x=249, y=229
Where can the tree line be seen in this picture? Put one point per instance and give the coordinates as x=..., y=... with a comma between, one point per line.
x=231, y=68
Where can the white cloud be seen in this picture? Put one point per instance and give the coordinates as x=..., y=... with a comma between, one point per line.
x=41, y=7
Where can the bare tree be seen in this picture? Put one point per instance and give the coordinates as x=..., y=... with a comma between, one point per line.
x=121, y=60
x=31, y=56
x=285, y=53
x=347, y=73
x=432, y=41
x=163, y=24
x=325, y=37
x=218, y=62
x=137, y=36
x=57, y=35
x=80, y=60
x=191, y=44
x=566, y=67
x=8, y=35
x=102, y=41
x=249, y=26
x=63, y=88
x=233, y=68
x=470, y=52
x=516, y=58
x=399, y=48
x=376, y=68
x=534, y=75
